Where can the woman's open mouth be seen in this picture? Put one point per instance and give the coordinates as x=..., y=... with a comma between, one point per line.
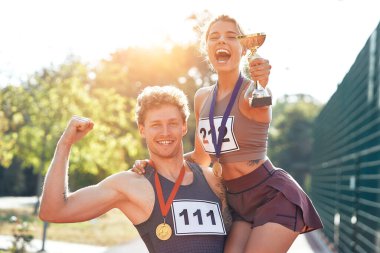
x=222, y=55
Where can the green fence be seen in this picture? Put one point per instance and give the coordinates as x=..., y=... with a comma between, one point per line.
x=346, y=160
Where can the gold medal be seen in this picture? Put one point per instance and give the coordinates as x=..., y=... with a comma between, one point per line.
x=163, y=231
x=217, y=169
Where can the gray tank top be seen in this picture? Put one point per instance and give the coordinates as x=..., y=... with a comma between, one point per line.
x=194, y=216
x=245, y=139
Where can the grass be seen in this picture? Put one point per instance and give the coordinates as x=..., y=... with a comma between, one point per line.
x=109, y=229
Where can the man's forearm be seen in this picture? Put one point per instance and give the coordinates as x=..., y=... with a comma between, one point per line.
x=54, y=192
x=192, y=157
x=188, y=157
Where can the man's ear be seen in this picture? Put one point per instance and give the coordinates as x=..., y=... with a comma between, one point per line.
x=142, y=130
x=184, y=129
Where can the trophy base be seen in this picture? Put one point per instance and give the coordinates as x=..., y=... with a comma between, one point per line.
x=261, y=102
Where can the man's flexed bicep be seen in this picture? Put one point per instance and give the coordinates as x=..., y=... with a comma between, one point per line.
x=84, y=204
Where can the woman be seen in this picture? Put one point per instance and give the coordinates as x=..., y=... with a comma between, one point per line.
x=269, y=208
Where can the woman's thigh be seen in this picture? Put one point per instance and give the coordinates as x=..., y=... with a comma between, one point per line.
x=238, y=237
x=270, y=238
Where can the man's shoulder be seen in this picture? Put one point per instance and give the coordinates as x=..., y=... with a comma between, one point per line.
x=120, y=179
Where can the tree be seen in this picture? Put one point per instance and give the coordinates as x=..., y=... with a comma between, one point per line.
x=291, y=139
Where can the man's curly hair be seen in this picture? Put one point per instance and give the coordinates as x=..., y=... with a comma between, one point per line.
x=156, y=96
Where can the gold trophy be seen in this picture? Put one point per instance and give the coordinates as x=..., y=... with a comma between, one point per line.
x=256, y=95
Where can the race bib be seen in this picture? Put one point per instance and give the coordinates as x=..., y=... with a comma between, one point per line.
x=229, y=142
x=195, y=217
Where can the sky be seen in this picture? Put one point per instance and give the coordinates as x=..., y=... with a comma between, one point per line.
x=311, y=44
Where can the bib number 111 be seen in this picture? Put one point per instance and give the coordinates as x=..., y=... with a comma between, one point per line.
x=198, y=214
x=197, y=217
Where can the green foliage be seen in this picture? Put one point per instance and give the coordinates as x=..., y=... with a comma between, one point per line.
x=13, y=116
x=37, y=112
x=291, y=137
x=114, y=143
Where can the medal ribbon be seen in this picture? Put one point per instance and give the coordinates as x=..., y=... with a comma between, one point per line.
x=166, y=206
x=218, y=143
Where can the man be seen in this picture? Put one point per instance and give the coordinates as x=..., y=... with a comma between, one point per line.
x=177, y=206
